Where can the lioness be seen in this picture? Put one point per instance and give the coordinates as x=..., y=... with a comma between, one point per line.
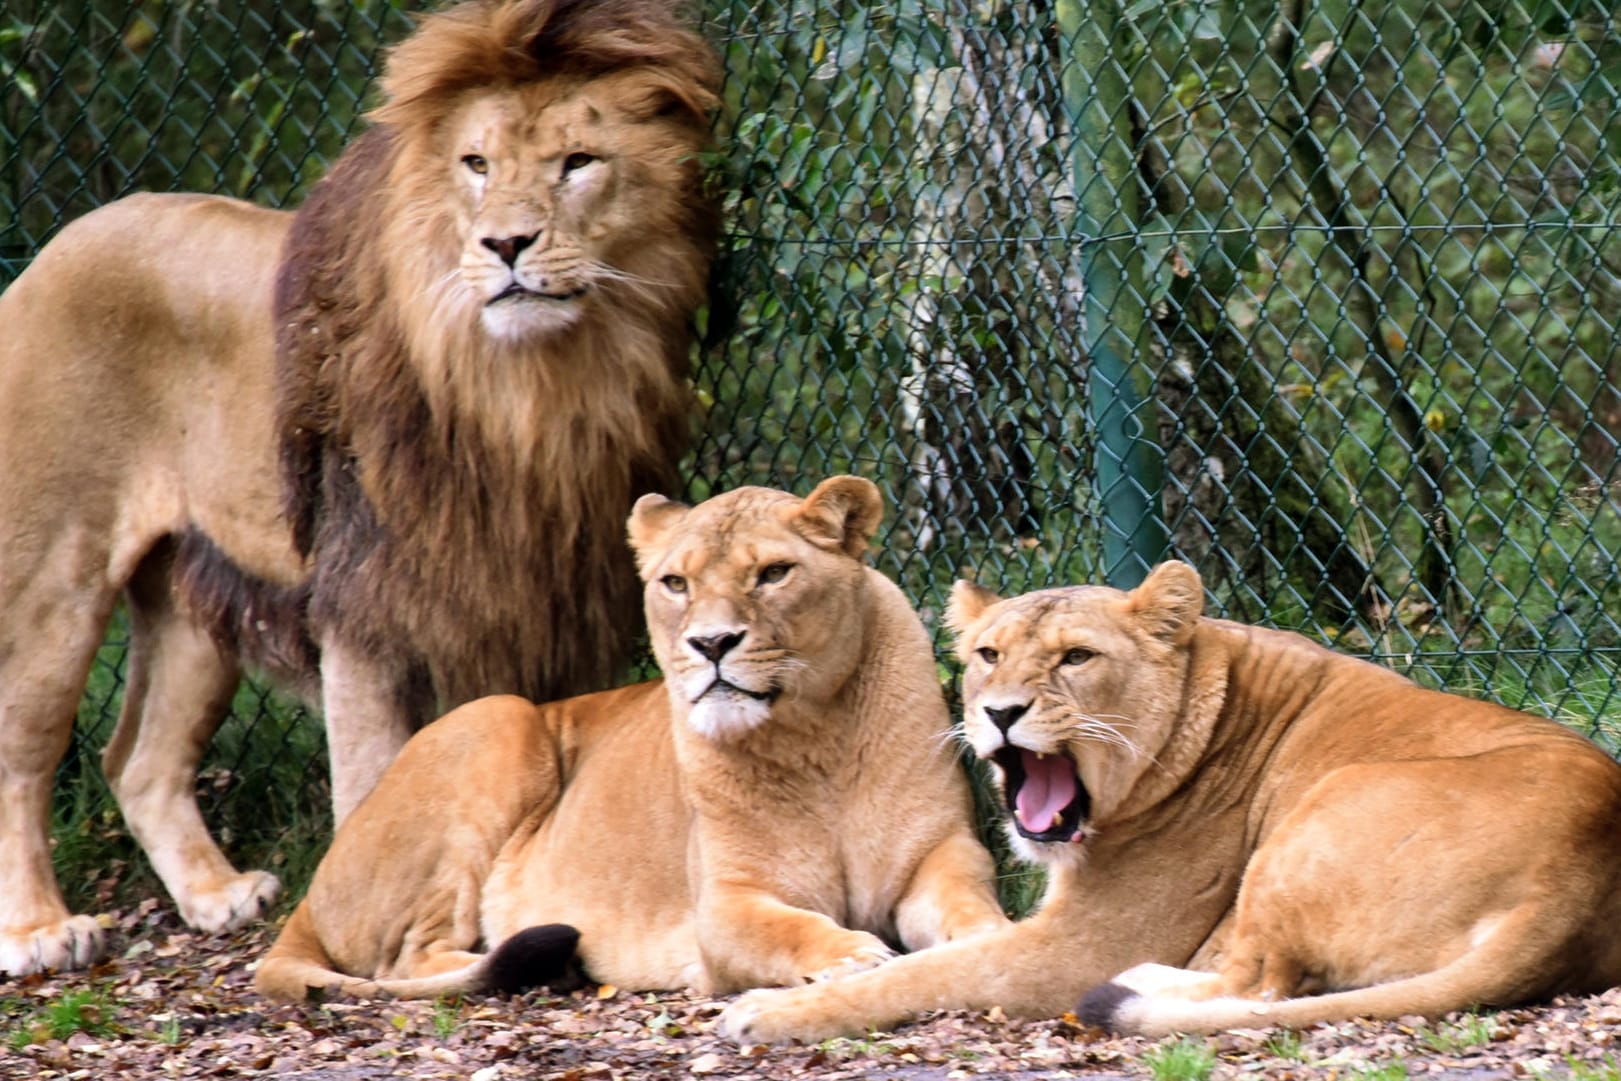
x=1276, y=817
x=781, y=807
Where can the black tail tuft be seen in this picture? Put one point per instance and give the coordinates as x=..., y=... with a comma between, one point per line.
x=1099, y=1006
x=536, y=957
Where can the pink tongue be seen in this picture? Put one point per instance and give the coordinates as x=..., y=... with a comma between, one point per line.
x=1049, y=785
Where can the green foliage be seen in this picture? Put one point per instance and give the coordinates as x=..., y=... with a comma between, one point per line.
x=1184, y=1060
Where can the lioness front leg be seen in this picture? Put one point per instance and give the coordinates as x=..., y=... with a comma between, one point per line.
x=750, y=938
x=1030, y=969
x=952, y=895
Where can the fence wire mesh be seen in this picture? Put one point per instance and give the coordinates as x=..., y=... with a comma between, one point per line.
x=1320, y=296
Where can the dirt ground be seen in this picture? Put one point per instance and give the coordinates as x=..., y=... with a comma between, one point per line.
x=171, y=1004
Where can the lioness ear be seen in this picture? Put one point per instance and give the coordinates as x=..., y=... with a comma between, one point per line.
x=1170, y=601
x=841, y=512
x=651, y=520
x=968, y=602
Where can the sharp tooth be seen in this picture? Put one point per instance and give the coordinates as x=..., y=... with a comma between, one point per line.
x=1041, y=756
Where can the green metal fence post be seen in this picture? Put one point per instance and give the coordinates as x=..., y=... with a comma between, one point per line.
x=1128, y=462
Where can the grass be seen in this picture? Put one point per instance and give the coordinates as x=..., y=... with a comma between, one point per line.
x=1185, y=1060
x=1451, y=1037
x=838, y=1048
x=1286, y=1045
x=1384, y=1071
x=447, y=1016
x=88, y=1010
x=1606, y=1069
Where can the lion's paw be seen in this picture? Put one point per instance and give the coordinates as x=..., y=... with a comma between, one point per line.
x=75, y=942
x=867, y=956
x=239, y=901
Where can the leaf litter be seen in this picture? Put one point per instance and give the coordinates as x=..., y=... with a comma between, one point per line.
x=175, y=1004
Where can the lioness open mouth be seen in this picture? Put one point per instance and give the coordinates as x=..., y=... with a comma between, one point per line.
x=1045, y=794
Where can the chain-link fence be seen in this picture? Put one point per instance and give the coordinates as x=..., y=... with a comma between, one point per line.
x=1321, y=297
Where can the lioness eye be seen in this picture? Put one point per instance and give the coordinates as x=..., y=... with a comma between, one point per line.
x=1077, y=656
x=674, y=583
x=988, y=655
x=476, y=163
x=775, y=572
x=577, y=160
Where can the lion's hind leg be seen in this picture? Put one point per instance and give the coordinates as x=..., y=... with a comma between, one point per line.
x=180, y=684
x=51, y=623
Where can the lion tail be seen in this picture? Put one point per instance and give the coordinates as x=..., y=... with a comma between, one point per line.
x=1479, y=978
x=297, y=968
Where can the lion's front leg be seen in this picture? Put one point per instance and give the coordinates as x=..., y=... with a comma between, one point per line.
x=751, y=938
x=367, y=718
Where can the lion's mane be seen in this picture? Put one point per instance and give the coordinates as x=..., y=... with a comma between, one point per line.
x=460, y=497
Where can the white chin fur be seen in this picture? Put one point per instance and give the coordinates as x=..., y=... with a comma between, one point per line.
x=515, y=320
x=1051, y=854
x=725, y=717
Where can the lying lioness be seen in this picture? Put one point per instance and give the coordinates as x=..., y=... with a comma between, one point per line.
x=781, y=807
x=1280, y=819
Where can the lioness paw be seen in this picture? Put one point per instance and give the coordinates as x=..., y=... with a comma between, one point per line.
x=238, y=902
x=867, y=956
x=778, y=1015
x=75, y=942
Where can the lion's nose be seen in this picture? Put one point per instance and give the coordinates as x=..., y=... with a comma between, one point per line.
x=715, y=646
x=1004, y=717
x=508, y=247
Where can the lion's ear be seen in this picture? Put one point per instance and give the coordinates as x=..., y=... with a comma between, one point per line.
x=651, y=520
x=968, y=602
x=842, y=512
x=1170, y=601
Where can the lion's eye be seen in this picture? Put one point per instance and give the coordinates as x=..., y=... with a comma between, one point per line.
x=774, y=573
x=1077, y=656
x=476, y=163
x=988, y=655
x=577, y=160
x=674, y=583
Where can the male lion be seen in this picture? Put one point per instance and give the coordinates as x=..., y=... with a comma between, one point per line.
x=1277, y=817
x=780, y=807
x=382, y=449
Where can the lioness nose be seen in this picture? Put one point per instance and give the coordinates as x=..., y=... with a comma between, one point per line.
x=1004, y=717
x=508, y=247
x=716, y=646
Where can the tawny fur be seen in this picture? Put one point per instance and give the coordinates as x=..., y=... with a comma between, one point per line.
x=382, y=449
x=782, y=808
x=1271, y=817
